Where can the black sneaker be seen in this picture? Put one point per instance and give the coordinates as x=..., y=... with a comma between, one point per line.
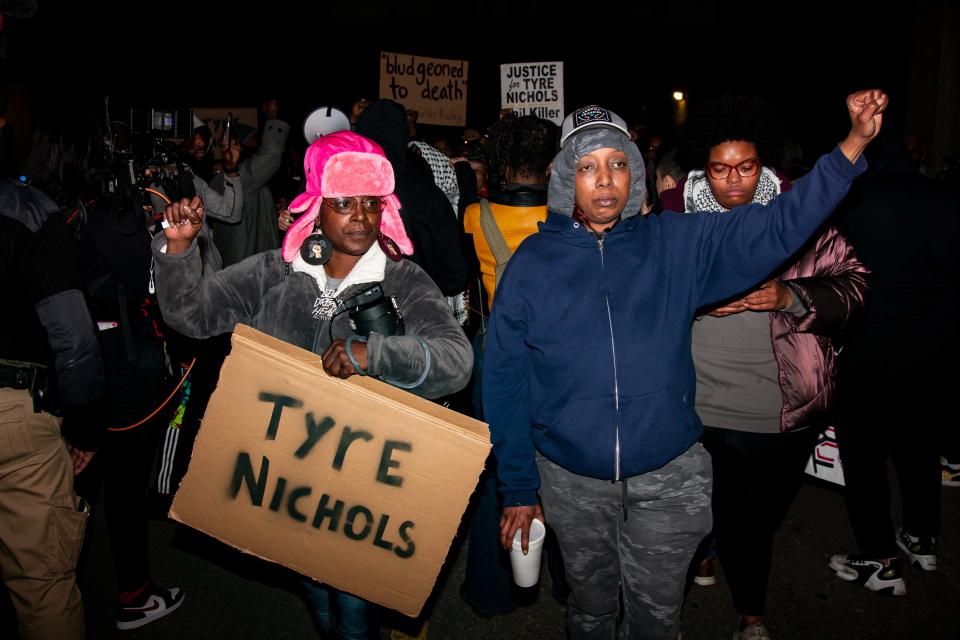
x=152, y=604
x=873, y=574
x=922, y=552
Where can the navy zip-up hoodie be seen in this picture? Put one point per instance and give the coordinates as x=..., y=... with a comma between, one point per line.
x=588, y=351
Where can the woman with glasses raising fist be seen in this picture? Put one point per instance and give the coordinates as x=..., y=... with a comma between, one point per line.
x=764, y=360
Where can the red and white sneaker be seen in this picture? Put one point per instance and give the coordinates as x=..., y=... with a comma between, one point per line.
x=151, y=604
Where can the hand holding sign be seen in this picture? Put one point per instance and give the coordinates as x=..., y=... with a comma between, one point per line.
x=353, y=483
x=338, y=364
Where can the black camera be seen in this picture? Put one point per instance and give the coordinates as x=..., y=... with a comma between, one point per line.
x=370, y=311
x=140, y=143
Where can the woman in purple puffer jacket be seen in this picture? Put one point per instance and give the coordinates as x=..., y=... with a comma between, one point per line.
x=764, y=359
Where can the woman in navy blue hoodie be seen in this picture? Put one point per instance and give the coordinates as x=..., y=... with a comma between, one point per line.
x=588, y=379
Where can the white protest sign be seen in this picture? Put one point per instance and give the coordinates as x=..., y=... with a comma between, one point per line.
x=533, y=88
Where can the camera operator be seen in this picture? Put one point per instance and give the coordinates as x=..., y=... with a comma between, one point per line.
x=253, y=158
x=199, y=149
x=51, y=383
x=225, y=204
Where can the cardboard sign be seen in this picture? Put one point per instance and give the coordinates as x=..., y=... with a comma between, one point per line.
x=352, y=482
x=533, y=89
x=824, y=463
x=436, y=88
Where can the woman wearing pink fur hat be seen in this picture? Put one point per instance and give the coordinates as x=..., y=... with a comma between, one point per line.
x=343, y=257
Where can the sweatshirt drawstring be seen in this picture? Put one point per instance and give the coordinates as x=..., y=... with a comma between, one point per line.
x=624, y=500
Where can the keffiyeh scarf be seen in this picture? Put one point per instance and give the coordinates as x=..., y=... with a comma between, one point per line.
x=697, y=196
x=443, y=174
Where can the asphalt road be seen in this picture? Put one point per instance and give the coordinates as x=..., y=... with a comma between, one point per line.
x=231, y=595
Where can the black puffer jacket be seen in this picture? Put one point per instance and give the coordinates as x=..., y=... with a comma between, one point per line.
x=425, y=211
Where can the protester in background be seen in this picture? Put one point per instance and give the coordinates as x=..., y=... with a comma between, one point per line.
x=442, y=145
x=668, y=172
x=588, y=380
x=223, y=205
x=897, y=372
x=356, y=110
x=764, y=359
x=521, y=149
x=479, y=165
x=49, y=364
x=114, y=263
x=200, y=149
x=446, y=180
x=351, y=204
x=412, y=116
x=426, y=212
x=256, y=230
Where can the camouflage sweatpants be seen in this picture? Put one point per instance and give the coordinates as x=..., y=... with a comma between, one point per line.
x=647, y=554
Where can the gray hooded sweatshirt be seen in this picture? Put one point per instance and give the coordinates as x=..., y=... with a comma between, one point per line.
x=258, y=292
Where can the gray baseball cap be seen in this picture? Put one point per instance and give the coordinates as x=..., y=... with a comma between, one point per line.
x=590, y=116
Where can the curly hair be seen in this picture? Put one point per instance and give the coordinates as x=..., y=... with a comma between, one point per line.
x=525, y=144
x=66, y=158
x=733, y=117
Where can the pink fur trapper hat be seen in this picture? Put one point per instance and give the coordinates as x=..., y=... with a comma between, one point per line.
x=344, y=165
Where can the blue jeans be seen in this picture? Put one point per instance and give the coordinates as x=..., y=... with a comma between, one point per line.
x=337, y=614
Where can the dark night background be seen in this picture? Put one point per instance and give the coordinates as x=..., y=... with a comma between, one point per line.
x=804, y=57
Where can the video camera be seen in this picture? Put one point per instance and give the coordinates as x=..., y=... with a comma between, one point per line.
x=145, y=138
x=142, y=145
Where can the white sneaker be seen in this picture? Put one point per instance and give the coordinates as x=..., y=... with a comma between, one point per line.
x=706, y=576
x=873, y=574
x=755, y=631
x=922, y=552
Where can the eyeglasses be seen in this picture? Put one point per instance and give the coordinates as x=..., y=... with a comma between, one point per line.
x=345, y=206
x=746, y=169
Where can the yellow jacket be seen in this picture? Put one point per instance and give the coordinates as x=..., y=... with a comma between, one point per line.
x=516, y=223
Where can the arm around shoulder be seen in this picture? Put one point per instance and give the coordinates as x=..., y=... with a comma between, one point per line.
x=836, y=292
